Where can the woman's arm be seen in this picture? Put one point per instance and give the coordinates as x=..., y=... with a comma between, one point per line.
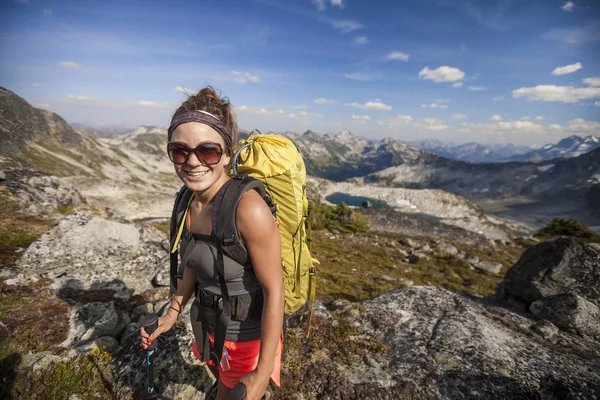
x=185, y=289
x=256, y=225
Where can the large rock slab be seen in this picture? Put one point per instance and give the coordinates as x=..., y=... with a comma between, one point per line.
x=443, y=345
x=89, y=252
x=562, y=266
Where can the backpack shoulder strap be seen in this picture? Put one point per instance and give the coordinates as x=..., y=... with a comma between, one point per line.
x=226, y=203
x=182, y=200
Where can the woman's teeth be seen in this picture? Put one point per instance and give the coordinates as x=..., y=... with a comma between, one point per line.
x=197, y=173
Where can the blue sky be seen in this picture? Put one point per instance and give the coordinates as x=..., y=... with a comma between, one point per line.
x=488, y=71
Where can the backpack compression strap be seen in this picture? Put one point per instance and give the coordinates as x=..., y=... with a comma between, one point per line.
x=182, y=202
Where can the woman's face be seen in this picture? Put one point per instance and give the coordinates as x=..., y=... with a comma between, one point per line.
x=196, y=175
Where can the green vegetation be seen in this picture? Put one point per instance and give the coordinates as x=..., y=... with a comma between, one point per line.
x=162, y=226
x=340, y=218
x=83, y=376
x=568, y=227
x=359, y=267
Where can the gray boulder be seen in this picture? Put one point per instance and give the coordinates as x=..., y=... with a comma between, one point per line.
x=88, y=252
x=489, y=266
x=569, y=311
x=561, y=266
x=443, y=250
x=93, y=320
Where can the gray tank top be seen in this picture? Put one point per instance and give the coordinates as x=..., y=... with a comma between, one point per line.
x=200, y=251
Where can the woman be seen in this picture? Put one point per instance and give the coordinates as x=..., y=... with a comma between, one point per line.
x=201, y=139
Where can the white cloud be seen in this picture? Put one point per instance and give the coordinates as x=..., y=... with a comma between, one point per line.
x=457, y=84
x=579, y=125
x=323, y=100
x=44, y=105
x=593, y=81
x=431, y=124
x=345, y=25
x=434, y=105
x=477, y=88
x=568, y=6
x=539, y=118
x=361, y=40
x=563, y=94
x=567, y=69
x=395, y=121
x=398, y=55
x=182, y=89
x=361, y=119
x=371, y=105
x=245, y=77
x=99, y=102
x=597, y=104
x=80, y=98
x=68, y=64
x=459, y=116
x=463, y=48
x=502, y=127
x=155, y=104
x=47, y=12
x=498, y=98
x=322, y=4
x=260, y=111
x=576, y=36
x=363, y=76
x=442, y=74
x=35, y=84
x=302, y=115
x=525, y=118
x=495, y=117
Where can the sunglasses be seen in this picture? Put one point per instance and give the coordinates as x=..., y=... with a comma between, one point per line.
x=207, y=153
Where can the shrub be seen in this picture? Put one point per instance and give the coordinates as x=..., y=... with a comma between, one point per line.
x=340, y=217
x=567, y=227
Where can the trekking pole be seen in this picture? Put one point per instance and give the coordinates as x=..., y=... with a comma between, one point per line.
x=150, y=323
x=238, y=392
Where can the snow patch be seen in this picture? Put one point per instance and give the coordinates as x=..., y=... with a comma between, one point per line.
x=545, y=168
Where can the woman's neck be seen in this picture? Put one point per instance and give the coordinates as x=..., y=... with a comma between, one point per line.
x=202, y=198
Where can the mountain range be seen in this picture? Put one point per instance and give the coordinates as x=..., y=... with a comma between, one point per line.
x=43, y=140
x=572, y=146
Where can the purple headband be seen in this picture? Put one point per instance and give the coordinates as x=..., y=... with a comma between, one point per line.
x=202, y=117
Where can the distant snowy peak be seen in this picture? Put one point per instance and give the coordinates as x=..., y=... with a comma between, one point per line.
x=572, y=146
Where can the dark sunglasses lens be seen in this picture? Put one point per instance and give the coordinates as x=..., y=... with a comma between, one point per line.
x=178, y=154
x=209, y=153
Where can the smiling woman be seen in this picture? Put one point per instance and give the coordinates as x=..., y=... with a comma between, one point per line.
x=247, y=346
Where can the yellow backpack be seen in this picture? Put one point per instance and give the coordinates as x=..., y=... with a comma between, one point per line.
x=276, y=162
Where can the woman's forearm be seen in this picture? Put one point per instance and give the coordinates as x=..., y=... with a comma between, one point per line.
x=272, y=324
x=185, y=290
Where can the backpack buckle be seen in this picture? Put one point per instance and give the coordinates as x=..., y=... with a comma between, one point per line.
x=228, y=241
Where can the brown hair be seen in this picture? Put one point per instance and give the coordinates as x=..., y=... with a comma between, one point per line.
x=207, y=99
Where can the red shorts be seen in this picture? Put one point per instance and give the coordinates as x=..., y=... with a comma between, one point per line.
x=243, y=359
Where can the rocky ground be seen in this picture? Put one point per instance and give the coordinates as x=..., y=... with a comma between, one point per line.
x=399, y=316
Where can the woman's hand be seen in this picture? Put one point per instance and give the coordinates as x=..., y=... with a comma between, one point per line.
x=165, y=323
x=256, y=385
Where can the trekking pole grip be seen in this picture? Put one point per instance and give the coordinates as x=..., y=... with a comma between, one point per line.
x=150, y=323
x=238, y=392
